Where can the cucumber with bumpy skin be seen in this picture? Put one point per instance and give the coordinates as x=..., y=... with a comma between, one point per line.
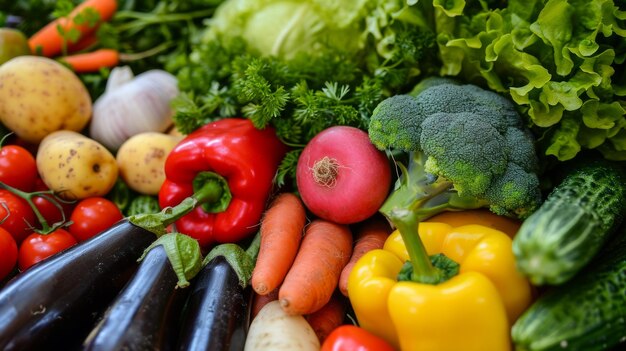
x=588, y=313
x=574, y=221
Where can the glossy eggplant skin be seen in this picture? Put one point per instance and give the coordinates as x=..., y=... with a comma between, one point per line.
x=54, y=304
x=144, y=315
x=216, y=314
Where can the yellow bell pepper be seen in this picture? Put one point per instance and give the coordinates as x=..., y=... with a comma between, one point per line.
x=473, y=310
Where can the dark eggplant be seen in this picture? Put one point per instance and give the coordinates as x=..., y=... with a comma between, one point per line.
x=54, y=304
x=145, y=313
x=216, y=315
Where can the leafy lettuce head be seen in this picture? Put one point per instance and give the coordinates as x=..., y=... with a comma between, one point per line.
x=561, y=61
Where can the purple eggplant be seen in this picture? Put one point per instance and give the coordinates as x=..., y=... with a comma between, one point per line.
x=144, y=316
x=55, y=303
x=216, y=315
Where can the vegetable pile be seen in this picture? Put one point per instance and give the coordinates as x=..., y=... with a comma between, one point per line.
x=312, y=175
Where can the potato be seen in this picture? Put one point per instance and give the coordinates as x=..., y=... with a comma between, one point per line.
x=141, y=160
x=38, y=96
x=75, y=166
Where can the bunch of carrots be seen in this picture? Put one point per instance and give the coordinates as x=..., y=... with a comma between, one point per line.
x=306, y=265
x=53, y=39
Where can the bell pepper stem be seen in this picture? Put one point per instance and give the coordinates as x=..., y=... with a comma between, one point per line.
x=423, y=270
x=418, y=196
x=212, y=190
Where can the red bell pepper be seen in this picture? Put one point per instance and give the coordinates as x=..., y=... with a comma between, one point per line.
x=238, y=157
x=350, y=337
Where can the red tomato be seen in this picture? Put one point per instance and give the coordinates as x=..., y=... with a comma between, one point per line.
x=48, y=210
x=92, y=216
x=20, y=218
x=37, y=247
x=349, y=337
x=17, y=167
x=8, y=253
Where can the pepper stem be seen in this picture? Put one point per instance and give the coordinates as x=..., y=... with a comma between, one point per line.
x=423, y=270
x=211, y=191
x=418, y=196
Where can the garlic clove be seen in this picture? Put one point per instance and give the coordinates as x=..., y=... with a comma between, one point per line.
x=119, y=75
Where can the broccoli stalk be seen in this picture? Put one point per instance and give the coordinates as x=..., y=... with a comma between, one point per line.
x=418, y=196
x=467, y=149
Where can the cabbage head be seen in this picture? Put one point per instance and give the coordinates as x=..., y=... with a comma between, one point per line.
x=286, y=28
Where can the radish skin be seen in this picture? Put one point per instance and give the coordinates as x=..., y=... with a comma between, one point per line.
x=341, y=175
x=274, y=330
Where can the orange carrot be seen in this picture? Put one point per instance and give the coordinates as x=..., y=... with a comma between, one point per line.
x=371, y=234
x=258, y=301
x=92, y=61
x=314, y=274
x=281, y=233
x=83, y=44
x=50, y=41
x=329, y=317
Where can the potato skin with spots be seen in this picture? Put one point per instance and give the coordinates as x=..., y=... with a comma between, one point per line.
x=76, y=166
x=141, y=160
x=39, y=95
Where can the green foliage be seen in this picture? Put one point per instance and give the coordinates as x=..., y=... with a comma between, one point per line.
x=298, y=98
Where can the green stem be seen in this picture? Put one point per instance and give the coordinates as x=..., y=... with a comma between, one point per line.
x=141, y=19
x=145, y=54
x=423, y=270
x=213, y=190
x=418, y=197
x=46, y=228
x=242, y=261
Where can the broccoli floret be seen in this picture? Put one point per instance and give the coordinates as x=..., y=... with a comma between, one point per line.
x=395, y=122
x=470, y=139
x=468, y=148
x=471, y=166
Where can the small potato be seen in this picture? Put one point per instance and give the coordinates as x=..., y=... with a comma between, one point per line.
x=141, y=160
x=39, y=95
x=75, y=166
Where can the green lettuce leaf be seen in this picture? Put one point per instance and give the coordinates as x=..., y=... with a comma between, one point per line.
x=560, y=61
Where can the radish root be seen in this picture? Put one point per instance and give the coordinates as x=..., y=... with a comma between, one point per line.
x=325, y=172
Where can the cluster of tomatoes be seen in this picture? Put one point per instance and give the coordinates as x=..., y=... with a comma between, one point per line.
x=26, y=203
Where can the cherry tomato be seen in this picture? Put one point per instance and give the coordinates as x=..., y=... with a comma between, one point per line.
x=48, y=210
x=8, y=253
x=37, y=247
x=350, y=337
x=17, y=167
x=92, y=216
x=20, y=218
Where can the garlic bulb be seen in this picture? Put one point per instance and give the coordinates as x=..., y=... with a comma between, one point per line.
x=132, y=105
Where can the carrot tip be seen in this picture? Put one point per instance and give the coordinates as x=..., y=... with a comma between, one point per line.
x=260, y=289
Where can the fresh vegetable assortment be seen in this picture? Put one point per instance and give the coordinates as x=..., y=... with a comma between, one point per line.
x=312, y=175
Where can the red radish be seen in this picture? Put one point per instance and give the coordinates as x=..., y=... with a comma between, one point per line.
x=341, y=176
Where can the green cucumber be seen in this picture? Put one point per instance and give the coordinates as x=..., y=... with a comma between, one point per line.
x=572, y=224
x=588, y=313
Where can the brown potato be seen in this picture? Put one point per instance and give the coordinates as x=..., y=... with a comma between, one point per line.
x=76, y=166
x=141, y=160
x=38, y=96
